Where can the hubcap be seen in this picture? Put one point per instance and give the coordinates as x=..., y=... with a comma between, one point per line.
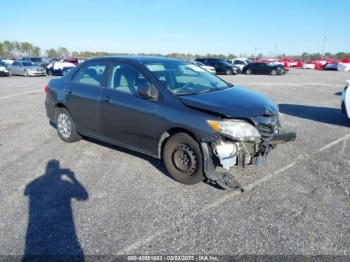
x=185, y=159
x=64, y=125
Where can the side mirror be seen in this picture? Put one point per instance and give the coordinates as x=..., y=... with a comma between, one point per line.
x=148, y=91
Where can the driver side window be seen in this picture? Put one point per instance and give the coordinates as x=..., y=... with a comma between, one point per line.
x=126, y=78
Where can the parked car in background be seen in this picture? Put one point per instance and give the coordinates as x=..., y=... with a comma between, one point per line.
x=59, y=68
x=34, y=60
x=240, y=62
x=7, y=61
x=169, y=109
x=73, y=60
x=345, y=99
x=221, y=66
x=205, y=67
x=264, y=69
x=26, y=69
x=4, y=71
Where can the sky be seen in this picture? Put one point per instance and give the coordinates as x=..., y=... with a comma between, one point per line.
x=182, y=26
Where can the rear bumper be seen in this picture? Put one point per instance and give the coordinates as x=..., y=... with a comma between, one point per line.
x=4, y=73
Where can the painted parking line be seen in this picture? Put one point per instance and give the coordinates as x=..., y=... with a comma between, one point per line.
x=21, y=94
x=230, y=195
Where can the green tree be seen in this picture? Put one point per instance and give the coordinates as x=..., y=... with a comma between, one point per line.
x=51, y=53
x=2, y=50
x=8, y=49
x=26, y=48
x=63, y=52
x=36, y=51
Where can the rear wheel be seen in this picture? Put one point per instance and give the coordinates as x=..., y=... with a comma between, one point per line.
x=26, y=73
x=248, y=72
x=65, y=126
x=10, y=73
x=183, y=159
x=273, y=72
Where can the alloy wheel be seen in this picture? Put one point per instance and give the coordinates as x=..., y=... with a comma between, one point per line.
x=64, y=125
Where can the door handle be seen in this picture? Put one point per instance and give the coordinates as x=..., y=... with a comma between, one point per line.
x=106, y=99
x=69, y=91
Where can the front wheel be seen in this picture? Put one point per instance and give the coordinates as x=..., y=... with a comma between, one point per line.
x=26, y=73
x=10, y=73
x=183, y=159
x=273, y=72
x=65, y=126
x=248, y=72
x=229, y=72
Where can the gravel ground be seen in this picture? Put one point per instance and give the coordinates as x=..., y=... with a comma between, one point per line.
x=114, y=201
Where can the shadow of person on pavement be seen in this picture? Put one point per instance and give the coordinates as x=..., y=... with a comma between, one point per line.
x=51, y=230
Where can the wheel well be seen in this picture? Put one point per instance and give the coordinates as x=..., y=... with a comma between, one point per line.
x=169, y=133
x=59, y=105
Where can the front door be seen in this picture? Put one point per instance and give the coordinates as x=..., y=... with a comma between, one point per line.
x=127, y=118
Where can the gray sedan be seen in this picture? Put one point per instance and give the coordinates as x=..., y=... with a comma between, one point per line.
x=26, y=69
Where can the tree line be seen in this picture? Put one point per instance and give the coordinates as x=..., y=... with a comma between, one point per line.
x=15, y=49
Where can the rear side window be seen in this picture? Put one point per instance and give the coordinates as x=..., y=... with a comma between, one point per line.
x=91, y=74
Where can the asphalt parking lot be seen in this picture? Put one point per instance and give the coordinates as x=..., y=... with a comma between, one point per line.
x=121, y=202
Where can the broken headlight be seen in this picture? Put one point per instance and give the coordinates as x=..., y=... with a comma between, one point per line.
x=235, y=129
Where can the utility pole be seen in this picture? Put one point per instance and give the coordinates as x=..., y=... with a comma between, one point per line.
x=323, y=45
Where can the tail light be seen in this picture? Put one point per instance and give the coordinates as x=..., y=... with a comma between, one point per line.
x=46, y=89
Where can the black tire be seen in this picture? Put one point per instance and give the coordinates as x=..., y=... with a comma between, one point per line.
x=248, y=72
x=26, y=73
x=10, y=73
x=49, y=72
x=273, y=72
x=182, y=158
x=66, y=128
x=228, y=72
x=228, y=182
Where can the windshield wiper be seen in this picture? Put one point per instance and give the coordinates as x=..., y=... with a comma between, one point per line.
x=200, y=92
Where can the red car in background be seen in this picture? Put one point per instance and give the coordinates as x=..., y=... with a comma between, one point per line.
x=73, y=60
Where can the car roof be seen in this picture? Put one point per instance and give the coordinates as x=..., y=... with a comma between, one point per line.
x=136, y=59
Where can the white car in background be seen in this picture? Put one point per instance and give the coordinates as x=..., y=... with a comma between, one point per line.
x=240, y=62
x=210, y=69
x=345, y=100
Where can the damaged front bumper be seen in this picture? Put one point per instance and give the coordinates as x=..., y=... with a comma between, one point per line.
x=228, y=154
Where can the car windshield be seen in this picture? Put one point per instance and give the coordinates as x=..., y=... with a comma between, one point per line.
x=27, y=64
x=36, y=59
x=199, y=64
x=183, y=78
x=224, y=63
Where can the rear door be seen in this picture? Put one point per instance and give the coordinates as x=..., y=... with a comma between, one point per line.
x=83, y=95
x=127, y=118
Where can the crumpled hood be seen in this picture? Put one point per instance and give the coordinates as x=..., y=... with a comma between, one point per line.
x=235, y=102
